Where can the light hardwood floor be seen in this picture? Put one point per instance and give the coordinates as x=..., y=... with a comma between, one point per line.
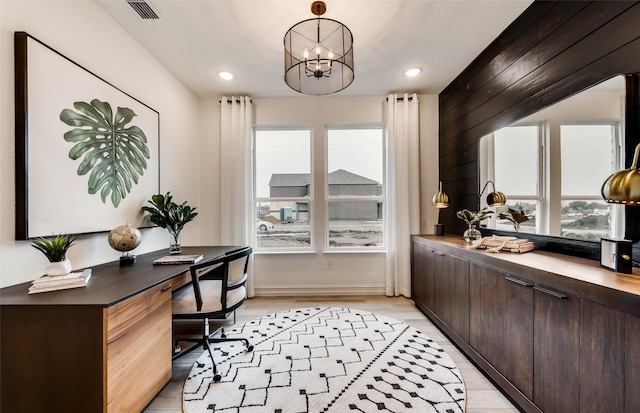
x=482, y=396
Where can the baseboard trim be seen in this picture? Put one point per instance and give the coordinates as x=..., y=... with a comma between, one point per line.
x=319, y=290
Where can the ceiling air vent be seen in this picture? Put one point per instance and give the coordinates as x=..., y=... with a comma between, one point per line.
x=144, y=9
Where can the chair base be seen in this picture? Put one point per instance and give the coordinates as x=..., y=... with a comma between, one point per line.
x=205, y=341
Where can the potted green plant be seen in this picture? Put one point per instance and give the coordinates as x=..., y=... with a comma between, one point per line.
x=169, y=215
x=472, y=218
x=55, y=249
x=515, y=216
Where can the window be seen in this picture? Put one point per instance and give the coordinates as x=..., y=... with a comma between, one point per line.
x=583, y=155
x=347, y=214
x=354, y=188
x=515, y=170
x=588, y=157
x=282, y=188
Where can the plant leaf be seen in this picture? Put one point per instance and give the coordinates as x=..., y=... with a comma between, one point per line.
x=167, y=214
x=115, y=155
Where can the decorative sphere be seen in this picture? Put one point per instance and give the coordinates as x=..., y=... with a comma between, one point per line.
x=124, y=238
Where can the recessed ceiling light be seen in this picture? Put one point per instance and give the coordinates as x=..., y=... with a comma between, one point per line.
x=225, y=75
x=413, y=72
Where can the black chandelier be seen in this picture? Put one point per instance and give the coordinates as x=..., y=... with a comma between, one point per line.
x=318, y=55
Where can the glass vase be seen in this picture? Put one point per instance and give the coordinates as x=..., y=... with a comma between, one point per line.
x=472, y=234
x=174, y=245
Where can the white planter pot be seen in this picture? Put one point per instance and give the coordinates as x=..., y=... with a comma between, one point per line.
x=58, y=268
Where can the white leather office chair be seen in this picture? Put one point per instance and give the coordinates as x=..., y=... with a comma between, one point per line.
x=216, y=290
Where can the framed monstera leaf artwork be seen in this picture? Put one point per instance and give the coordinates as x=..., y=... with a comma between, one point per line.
x=87, y=153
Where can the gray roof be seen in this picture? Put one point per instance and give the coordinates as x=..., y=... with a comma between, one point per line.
x=290, y=180
x=342, y=177
x=339, y=177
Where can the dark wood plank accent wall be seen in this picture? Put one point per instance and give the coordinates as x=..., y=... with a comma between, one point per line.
x=550, y=52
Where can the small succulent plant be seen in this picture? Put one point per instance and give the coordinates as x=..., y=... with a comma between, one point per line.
x=54, y=248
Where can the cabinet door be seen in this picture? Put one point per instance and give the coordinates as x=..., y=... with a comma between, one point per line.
x=139, y=349
x=422, y=276
x=601, y=358
x=556, y=350
x=460, y=296
x=487, y=304
x=452, y=292
x=519, y=334
x=632, y=363
x=501, y=326
x=442, y=286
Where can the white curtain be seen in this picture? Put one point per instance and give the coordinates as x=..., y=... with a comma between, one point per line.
x=236, y=125
x=403, y=189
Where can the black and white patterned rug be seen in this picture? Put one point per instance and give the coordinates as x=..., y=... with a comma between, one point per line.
x=326, y=360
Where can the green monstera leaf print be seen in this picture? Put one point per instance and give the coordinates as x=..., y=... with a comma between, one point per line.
x=114, y=153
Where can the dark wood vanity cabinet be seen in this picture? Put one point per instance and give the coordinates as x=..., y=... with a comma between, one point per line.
x=422, y=275
x=442, y=286
x=602, y=348
x=537, y=324
x=632, y=363
x=502, y=323
x=451, y=285
x=556, y=350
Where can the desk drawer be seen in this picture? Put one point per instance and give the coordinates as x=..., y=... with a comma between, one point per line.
x=180, y=280
x=139, y=358
x=127, y=313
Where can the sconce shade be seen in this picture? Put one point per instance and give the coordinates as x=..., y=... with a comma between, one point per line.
x=440, y=199
x=623, y=187
x=318, y=55
x=495, y=198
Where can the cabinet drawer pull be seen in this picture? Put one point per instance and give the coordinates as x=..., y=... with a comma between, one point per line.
x=518, y=281
x=551, y=293
x=168, y=287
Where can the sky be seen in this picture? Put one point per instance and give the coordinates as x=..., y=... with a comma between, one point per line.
x=358, y=151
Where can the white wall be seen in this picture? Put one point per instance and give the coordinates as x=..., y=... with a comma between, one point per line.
x=81, y=31
x=429, y=180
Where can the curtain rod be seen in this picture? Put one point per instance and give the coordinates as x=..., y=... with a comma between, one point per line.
x=400, y=99
x=229, y=101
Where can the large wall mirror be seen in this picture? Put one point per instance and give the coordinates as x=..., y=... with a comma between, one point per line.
x=551, y=166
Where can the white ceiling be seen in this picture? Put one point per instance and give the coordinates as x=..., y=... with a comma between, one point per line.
x=195, y=39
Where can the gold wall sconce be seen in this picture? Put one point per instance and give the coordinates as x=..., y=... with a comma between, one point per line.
x=495, y=198
x=623, y=187
x=440, y=199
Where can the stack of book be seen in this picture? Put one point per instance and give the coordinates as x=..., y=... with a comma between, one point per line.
x=60, y=282
x=178, y=259
x=510, y=245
